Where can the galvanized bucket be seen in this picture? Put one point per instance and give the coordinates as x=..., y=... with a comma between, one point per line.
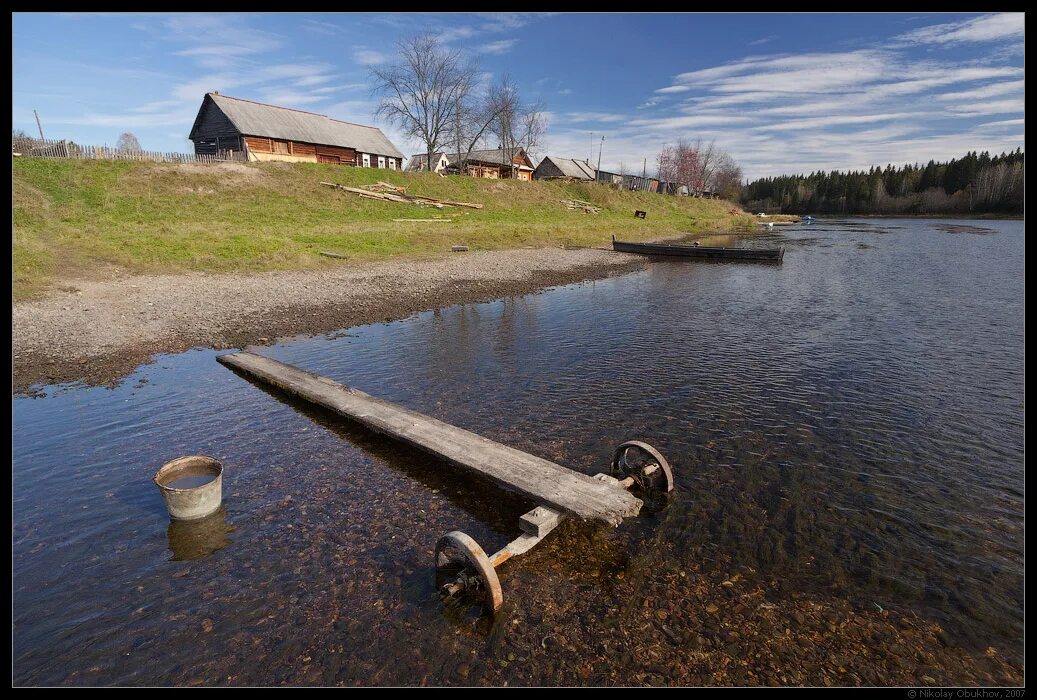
x=195, y=500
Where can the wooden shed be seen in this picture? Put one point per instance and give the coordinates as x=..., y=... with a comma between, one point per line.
x=569, y=168
x=269, y=132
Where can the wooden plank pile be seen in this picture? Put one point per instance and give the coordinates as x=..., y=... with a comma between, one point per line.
x=581, y=205
x=394, y=193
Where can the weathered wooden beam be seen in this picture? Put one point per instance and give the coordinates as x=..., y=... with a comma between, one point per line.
x=447, y=202
x=545, y=482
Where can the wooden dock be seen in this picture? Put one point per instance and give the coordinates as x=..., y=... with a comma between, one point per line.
x=543, y=481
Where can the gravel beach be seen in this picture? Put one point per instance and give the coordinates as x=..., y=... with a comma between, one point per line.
x=99, y=331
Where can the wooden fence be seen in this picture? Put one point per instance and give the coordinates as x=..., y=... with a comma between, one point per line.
x=37, y=148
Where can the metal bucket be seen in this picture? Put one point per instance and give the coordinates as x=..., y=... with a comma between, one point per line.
x=194, y=501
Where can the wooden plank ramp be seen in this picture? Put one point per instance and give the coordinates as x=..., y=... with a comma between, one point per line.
x=548, y=483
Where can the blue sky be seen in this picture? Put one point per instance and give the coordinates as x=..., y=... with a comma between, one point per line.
x=782, y=93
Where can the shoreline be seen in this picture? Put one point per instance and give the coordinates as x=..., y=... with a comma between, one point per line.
x=981, y=217
x=98, y=332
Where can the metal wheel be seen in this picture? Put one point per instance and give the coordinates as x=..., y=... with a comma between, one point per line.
x=461, y=564
x=631, y=458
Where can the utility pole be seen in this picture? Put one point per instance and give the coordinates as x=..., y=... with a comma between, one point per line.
x=38, y=125
x=599, y=154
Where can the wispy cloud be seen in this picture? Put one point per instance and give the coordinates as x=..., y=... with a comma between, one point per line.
x=673, y=89
x=764, y=40
x=217, y=40
x=983, y=92
x=840, y=120
x=784, y=112
x=497, y=47
x=368, y=57
x=290, y=98
x=1004, y=123
x=602, y=117
x=676, y=124
x=489, y=23
x=308, y=80
x=319, y=27
x=993, y=107
x=997, y=27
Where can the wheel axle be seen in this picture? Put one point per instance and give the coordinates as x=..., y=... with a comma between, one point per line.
x=463, y=566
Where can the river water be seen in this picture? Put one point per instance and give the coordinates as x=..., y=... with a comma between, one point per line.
x=849, y=422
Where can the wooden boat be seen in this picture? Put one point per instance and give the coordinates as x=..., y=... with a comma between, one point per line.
x=692, y=251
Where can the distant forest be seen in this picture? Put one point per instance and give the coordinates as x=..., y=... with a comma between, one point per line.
x=975, y=184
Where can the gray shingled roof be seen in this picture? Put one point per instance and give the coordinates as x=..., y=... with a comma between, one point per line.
x=571, y=167
x=496, y=155
x=258, y=119
x=417, y=161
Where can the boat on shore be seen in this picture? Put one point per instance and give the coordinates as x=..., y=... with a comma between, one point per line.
x=697, y=251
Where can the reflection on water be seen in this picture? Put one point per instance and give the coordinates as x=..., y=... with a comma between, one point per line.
x=194, y=539
x=848, y=423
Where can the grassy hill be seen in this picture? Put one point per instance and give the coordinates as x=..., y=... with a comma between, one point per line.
x=77, y=218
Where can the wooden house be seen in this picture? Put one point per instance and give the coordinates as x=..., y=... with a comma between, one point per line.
x=564, y=168
x=268, y=132
x=493, y=164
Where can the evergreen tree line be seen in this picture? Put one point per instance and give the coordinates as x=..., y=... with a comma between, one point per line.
x=974, y=184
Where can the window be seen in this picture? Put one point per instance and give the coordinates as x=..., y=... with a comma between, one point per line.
x=367, y=160
x=381, y=161
x=392, y=164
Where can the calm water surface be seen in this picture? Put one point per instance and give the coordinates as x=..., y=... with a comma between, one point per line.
x=849, y=422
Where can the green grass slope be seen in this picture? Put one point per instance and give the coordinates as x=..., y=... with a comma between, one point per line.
x=77, y=218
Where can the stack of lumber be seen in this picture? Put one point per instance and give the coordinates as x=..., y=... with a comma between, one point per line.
x=394, y=193
x=580, y=204
x=387, y=187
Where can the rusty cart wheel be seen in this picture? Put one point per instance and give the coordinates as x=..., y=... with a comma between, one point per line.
x=631, y=458
x=462, y=565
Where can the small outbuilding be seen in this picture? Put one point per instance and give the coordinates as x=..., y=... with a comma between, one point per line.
x=269, y=132
x=569, y=168
x=495, y=164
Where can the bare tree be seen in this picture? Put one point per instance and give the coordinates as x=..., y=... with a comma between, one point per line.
x=475, y=117
x=504, y=126
x=727, y=177
x=422, y=91
x=534, y=126
x=700, y=167
x=128, y=142
x=707, y=164
x=679, y=164
x=517, y=125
